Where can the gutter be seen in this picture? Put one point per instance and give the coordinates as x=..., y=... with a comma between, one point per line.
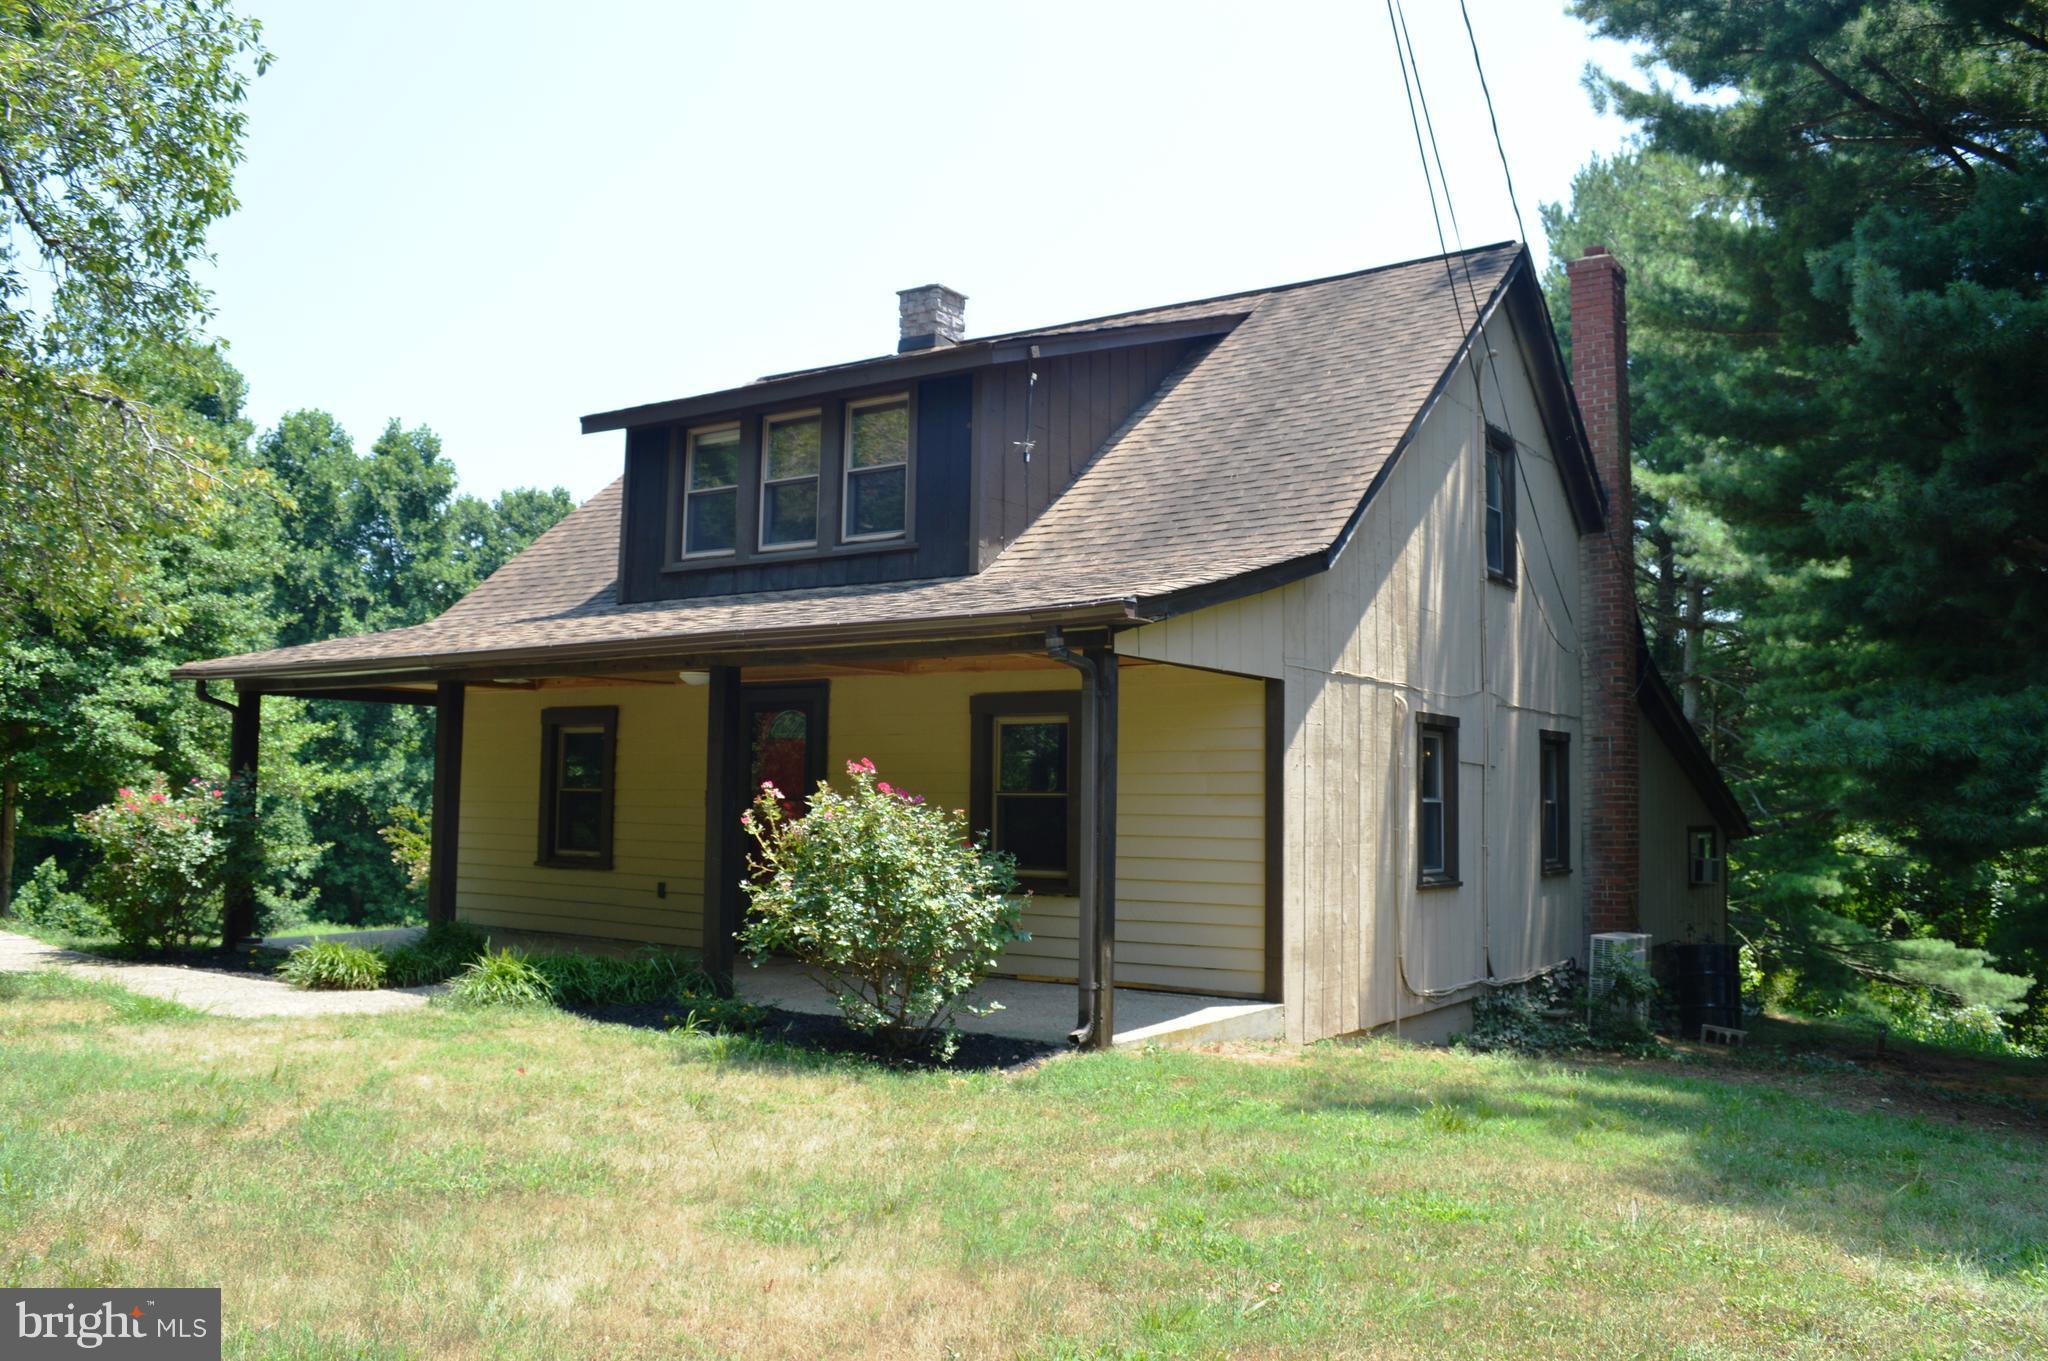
x=728, y=646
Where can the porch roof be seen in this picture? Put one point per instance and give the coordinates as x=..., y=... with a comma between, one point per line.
x=1248, y=469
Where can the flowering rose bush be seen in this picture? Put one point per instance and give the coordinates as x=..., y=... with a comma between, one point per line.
x=892, y=905
x=160, y=855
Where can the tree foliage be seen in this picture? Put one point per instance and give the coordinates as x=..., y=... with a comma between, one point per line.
x=351, y=543
x=123, y=126
x=1855, y=460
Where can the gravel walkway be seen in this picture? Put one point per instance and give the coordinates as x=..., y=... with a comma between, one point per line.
x=222, y=994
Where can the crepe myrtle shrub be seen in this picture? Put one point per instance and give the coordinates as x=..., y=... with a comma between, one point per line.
x=161, y=853
x=895, y=907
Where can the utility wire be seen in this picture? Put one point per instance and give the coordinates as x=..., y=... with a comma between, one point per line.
x=1623, y=561
x=1498, y=145
x=1450, y=208
x=1428, y=182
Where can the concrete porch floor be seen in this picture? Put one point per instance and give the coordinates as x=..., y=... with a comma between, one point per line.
x=1047, y=1011
x=1032, y=1011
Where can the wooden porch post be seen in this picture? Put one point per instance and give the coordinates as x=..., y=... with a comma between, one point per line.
x=445, y=829
x=238, y=895
x=725, y=752
x=1097, y=964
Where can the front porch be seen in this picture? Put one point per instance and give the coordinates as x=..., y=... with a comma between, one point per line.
x=603, y=804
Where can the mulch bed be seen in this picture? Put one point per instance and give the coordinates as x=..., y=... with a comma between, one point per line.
x=828, y=1034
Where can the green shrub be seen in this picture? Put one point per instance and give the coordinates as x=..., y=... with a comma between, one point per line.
x=1543, y=1015
x=894, y=907
x=410, y=838
x=160, y=857
x=46, y=900
x=441, y=952
x=335, y=966
x=1976, y=1029
x=507, y=978
x=584, y=980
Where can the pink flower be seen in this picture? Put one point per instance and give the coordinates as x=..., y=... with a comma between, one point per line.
x=769, y=785
x=884, y=787
x=156, y=796
x=125, y=792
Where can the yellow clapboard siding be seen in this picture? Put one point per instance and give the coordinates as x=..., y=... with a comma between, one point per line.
x=657, y=830
x=1191, y=854
x=687, y=937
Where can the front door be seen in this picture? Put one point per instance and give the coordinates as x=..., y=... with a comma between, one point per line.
x=785, y=728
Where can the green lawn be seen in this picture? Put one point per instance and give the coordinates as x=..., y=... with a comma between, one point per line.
x=526, y=1184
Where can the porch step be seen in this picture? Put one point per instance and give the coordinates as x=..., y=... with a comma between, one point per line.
x=1212, y=1025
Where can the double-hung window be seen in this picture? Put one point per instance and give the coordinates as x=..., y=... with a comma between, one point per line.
x=877, y=491
x=790, y=454
x=1554, y=800
x=1436, y=800
x=1500, y=506
x=1025, y=768
x=1702, y=856
x=578, y=750
x=711, y=492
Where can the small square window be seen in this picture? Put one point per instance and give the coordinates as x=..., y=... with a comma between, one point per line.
x=1703, y=856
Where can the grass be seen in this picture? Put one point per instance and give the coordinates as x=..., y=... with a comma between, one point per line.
x=522, y=1182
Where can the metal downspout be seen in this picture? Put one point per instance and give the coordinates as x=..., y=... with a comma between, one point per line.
x=1096, y=972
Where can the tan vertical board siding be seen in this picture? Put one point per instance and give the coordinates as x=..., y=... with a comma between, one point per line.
x=658, y=824
x=1190, y=811
x=1406, y=622
x=1672, y=908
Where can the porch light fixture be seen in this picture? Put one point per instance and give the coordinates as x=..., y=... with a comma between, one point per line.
x=694, y=677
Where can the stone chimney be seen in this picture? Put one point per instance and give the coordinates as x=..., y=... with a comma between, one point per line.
x=933, y=316
x=1607, y=630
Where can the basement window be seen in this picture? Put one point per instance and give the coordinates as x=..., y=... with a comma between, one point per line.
x=877, y=491
x=578, y=755
x=711, y=492
x=1500, y=506
x=790, y=454
x=1436, y=801
x=1554, y=800
x=1702, y=856
x=1026, y=772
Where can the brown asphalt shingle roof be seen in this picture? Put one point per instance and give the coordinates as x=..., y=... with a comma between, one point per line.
x=1258, y=452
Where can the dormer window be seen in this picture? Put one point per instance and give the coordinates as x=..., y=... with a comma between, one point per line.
x=790, y=451
x=711, y=495
x=877, y=468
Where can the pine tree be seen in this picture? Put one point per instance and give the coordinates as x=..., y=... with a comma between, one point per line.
x=1871, y=435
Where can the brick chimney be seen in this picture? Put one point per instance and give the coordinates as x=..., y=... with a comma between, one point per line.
x=1607, y=631
x=933, y=316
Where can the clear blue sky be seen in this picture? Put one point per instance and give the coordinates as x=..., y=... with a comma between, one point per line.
x=491, y=220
